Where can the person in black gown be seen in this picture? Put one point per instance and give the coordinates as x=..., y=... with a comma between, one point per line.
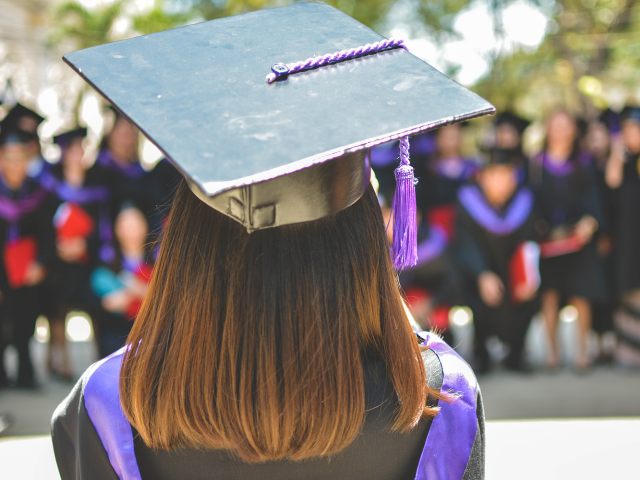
x=495, y=221
x=128, y=180
x=623, y=175
x=83, y=231
x=600, y=133
x=433, y=285
x=26, y=236
x=273, y=342
x=28, y=121
x=569, y=202
x=509, y=129
x=121, y=282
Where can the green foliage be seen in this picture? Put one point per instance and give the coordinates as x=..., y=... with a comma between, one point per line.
x=591, y=51
x=589, y=60
x=87, y=28
x=93, y=27
x=158, y=20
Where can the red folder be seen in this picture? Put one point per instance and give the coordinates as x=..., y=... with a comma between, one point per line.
x=18, y=255
x=143, y=274
x=560, y=246
x=445, y=217
x=72, y=221
x=524, y=270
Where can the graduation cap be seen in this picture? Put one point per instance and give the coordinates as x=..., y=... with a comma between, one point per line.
x=509, y=118
x=67, y=138
x=25, y=119
x=11, y=133
x=630, y=112
x=288, y=149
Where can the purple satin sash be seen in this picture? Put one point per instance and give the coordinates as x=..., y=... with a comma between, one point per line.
x=444, y=457
x=133, y=170
x=560, y=169
x=67, y=193
x=433, y=246
x=452, y=434
x=12, y=210
x=102, y=402
x=517, y=213
x=457, y=168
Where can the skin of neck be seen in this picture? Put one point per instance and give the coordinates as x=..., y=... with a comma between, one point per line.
x=559, y=152
x=133, y=251
x=13, y=185
x=73, y=175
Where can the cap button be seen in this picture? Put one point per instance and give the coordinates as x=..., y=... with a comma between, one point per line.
x=280, y=69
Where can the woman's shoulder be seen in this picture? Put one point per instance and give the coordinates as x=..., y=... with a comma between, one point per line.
x=93, y=390
x=89, y=428
x=456, y=438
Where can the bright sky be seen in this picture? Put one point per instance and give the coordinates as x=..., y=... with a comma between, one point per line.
x=523, y=26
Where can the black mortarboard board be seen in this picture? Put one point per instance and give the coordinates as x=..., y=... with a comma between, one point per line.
x=261, y=152
x=64, y=139
x=18, y=112
x=510, y=118
x=14, y=136
x=630, y=112
x=11, y=133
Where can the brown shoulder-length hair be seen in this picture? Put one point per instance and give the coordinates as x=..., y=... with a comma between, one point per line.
x=254, y=343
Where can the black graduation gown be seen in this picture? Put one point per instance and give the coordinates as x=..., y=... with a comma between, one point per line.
x=68, y=283
x=486, y=240
x=627, y=228
x=20, y=306
x=436, y=197
x=602, y=310
x=152, y=191
x=376, y=454
x=438, y=186
x=564, y=195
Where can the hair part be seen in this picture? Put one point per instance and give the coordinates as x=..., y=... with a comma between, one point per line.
x=254, y=343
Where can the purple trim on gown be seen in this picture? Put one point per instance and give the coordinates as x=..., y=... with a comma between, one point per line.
x=455, y=168
x=384, y=155
x=67, y=193
x=12, y=210
x=453, y=431
x=444, y=457
x=133, y=170
x=516, y=214
x=560, y=169
x=433, y=246
x=102, y=402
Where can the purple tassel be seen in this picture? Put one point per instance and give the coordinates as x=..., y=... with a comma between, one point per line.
x=405, y=232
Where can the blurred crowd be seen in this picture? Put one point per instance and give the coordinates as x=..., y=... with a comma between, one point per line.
x=77, y=235
x=506, y=235
x=509, y=235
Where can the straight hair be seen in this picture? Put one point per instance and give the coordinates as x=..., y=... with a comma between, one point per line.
x=255, y=343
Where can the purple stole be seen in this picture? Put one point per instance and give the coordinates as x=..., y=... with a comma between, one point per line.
x=473, y=201
x=455, y=169
x=444, y=457
x=81, y=196
x=433, y=246
x=133, y=170
x=12, y=210
x=560, y=169
x=67, y=193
